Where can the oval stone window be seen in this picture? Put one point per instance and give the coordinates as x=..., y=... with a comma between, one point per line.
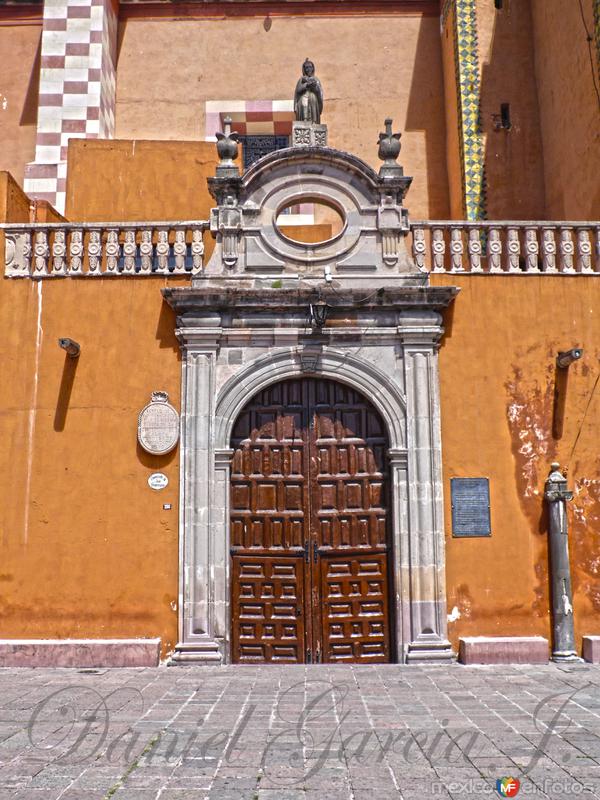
x=309, y=221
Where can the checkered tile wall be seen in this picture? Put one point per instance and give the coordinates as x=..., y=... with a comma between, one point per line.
x=77, y=89
x=462, y=15
x=248, y=117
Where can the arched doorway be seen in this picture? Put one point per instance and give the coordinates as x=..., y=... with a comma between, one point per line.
x=309, y=527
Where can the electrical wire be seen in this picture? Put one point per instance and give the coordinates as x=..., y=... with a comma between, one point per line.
x=583, y=420
x=590, y=40
x=361, y=300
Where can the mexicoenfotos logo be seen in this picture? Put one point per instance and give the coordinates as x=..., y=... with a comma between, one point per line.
x=508, y=787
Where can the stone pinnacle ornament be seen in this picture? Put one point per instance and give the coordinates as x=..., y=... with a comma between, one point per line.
x=389, y=150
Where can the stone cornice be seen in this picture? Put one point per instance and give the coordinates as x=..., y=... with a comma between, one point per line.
x=250, y=8
x=252, y=299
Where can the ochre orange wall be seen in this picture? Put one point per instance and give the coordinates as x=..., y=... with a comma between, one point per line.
x=513, y=159
x=380, y=66
x=497, y=368
x=19, y=45
x=14, y=203
x=87, y=549
x=135, y=181
x=569, y=112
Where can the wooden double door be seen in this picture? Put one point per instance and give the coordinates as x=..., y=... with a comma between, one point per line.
x=309, y=543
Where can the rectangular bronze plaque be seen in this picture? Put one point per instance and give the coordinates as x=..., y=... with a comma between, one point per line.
x=470, y=506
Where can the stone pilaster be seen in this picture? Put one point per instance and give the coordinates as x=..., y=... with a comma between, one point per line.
x=420, y=333
x=77, y=89
x=398, y=461
x=201, y=612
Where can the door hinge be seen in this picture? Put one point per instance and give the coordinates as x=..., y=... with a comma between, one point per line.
x=306, y=557
x=308, y=657
x=318, y=656
x=315, y=552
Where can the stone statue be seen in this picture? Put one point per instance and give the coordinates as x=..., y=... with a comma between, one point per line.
x=308, y=97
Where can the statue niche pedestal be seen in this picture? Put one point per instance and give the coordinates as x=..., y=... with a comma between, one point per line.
x=308, y=134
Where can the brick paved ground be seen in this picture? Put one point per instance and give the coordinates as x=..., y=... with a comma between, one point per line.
x=286, y=733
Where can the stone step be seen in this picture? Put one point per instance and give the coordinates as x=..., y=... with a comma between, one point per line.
x=591, y=649
x=503, y=650
x=82, y=653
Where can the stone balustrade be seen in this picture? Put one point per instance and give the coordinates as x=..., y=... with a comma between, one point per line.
x=167, y=248
x=507, y=248
x=40, y=250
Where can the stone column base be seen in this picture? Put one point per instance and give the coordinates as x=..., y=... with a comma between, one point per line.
x=439, y=652
x=198, y=653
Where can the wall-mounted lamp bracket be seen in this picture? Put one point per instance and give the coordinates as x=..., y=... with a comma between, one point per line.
x=72, y=347
x=566, y=357
x=318, y=313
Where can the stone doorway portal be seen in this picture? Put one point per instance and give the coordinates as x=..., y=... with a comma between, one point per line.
x=309, y=534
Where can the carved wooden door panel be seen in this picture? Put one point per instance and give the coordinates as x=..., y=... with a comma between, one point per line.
x=269, y=505
x=348, y=521
x=308, y=527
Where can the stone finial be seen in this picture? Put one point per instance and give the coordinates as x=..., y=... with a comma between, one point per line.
x=227, y=148
x=556, y=484
x=389, y=150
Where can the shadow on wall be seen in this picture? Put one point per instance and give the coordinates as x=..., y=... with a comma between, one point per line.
x=165, y=326
x=424, y=103
x=30, y=104
x=510, y=119
x=64, y=392
x=156, y=463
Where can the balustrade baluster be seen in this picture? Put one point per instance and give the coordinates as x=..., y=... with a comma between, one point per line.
x=494, y=250
x=180, y=251
x=27, y=252
x=475, y=249
x=438, y=248
x=532, y=250
x=59, y=251
x=513, y=251
x=162, y=251
x=94, y=253
x=456, y=249
x=112, y=251
x=129, y=252
x=419, y=247
x=146, y=251
x=584, y=251
x=75, y=252
x=567, y=250
x=548, y=250
x=197, y=250
x=41, y=251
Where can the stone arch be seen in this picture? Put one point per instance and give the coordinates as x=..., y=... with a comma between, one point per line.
x=361, y=375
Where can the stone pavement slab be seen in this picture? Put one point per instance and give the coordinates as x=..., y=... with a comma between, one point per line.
x=291, y=733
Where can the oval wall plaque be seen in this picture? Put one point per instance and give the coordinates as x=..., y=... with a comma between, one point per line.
x=158, y=425
x=158, y=480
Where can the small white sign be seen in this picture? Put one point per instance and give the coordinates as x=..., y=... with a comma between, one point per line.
x=158, y=480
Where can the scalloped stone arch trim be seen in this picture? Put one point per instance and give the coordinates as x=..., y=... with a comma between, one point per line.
x=277, y=366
